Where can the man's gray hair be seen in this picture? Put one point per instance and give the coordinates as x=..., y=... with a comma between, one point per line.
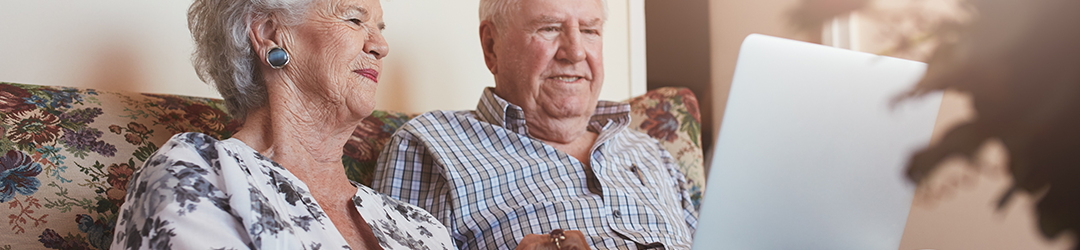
x=496, y=11
x=224, y=56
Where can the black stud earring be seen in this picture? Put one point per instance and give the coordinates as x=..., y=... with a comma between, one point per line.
x=277, y=57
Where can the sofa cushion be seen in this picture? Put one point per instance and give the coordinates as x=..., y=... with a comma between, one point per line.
x=66, y=154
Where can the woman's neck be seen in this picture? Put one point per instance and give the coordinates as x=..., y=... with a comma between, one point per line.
x=308, y=141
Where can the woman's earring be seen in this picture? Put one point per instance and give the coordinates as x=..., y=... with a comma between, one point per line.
x=277, y=57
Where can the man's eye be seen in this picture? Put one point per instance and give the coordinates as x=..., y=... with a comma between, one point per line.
x=549, y=29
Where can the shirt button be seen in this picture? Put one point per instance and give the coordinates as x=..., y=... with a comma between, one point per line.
x=616, y=213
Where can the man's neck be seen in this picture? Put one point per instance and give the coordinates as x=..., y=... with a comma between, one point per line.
x=570, y=135
x=557, y=130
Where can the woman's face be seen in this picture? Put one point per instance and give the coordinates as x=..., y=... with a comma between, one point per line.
x=336, y=53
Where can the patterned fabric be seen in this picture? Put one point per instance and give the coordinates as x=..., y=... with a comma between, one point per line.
x=491, y=184
x=671, y=116
x=69, y=154
x=66, y=155
x=201, y=193
x=362, y=150
x=84, y=174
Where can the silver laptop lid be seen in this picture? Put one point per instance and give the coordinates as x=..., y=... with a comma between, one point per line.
x=811, y=154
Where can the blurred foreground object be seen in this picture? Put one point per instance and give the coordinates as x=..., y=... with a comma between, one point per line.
x=908, y=29
x=1019, y=60
x=810, y=15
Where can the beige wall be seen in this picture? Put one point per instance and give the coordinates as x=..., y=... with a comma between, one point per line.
x=678, y=52
x=730, y=21
x=435, y=60
x=108, y=44
x=955, y=211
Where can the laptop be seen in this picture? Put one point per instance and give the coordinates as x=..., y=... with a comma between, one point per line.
x=811, y=153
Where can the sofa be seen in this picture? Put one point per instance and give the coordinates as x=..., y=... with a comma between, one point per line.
x=68, y=153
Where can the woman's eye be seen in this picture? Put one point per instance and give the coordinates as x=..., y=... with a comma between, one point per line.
x=355, y=21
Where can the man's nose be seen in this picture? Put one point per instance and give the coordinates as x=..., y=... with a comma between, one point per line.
x=570, y=48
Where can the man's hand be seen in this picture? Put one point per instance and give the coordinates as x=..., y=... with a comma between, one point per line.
x=571, y=240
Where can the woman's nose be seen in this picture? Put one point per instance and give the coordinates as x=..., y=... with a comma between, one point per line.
x=376, y=45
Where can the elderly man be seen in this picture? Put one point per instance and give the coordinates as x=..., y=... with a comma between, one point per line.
x=540, y=152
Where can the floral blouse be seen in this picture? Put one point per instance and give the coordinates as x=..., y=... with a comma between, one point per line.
x=200, y=193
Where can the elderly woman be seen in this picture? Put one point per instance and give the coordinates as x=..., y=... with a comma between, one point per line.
x=300, y=74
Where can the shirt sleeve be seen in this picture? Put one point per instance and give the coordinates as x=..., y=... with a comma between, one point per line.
x=174, y=202
x=408, y=171
x=690, y=213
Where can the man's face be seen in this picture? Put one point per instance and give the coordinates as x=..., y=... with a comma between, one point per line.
x=548, y=58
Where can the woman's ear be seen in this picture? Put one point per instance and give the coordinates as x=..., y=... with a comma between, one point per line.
x=487, y=41
x=263, y=33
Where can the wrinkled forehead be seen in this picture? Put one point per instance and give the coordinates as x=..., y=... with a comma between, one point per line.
x=585, y=12
x=371, y=8
x=583, y=21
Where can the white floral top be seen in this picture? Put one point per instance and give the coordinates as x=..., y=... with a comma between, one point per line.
x=200, y=193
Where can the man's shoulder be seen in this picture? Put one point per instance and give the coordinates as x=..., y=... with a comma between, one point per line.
x=633, y=140
x=443, y=115
x=636, y=136
x=438, y=120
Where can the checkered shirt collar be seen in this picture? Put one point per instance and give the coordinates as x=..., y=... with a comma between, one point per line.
x=496, y=110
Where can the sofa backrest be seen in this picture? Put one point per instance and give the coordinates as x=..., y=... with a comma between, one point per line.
x=66, y=154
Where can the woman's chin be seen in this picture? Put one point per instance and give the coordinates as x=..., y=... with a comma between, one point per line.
x=362, y=111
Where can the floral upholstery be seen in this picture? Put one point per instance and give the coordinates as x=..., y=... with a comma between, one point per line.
x=671, y=116
x=66, y=154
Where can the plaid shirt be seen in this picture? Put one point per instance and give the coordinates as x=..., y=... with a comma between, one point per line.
x=491, y=184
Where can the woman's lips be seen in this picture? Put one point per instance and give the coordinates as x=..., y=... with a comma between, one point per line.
x=370, y=74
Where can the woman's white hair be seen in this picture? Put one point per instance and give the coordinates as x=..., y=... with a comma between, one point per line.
x=495, y=11
x=224, y=56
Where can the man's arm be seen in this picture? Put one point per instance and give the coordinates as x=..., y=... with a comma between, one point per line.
x=407, y=171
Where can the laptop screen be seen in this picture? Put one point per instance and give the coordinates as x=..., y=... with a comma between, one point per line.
x=811, y=152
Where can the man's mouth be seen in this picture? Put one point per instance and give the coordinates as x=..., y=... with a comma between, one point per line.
x=369, y=74
x=567, y=79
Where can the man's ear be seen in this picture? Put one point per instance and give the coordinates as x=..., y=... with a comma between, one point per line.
x=487, y=41
x=263, y=33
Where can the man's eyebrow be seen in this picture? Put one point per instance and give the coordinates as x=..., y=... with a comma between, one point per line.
x=547, y=19
x=551, y=19
x=594, y=22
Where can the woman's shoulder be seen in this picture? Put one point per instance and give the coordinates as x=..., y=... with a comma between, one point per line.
x=187, y=142
x=199, y=152
x=198, y=145
x=189, y=148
